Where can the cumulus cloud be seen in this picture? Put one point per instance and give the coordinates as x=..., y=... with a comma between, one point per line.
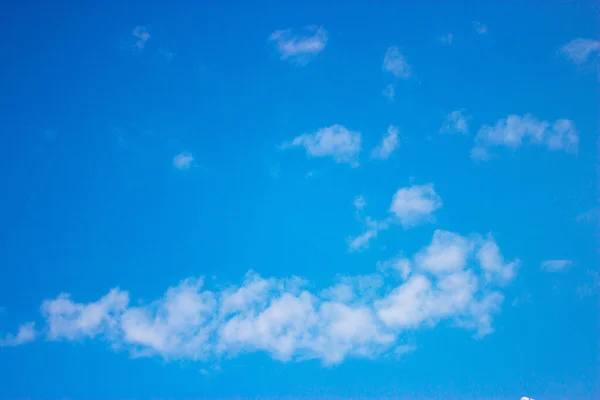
x=335, y=141
x=141, y=34
x=555, y=265
x=183, y=160
x=25, y=334
x=580, y=50
x=69, y=320
x=456, y=122
x=394, y=62
x=480, y=28
x=300, y=48
x=357, y=316
x=514, y=131
x=388, y=144
x=415, y=204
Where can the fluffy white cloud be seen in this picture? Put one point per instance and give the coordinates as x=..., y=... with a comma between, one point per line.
x=493, y=265
x=300, y=48
x=514, y=130
x=183, y=160
x=394, y=62
x=68, y=320
x=447, y=252
x=388, y=144
x=142, y=36
x=357, y=316
x=555, y=265
x=25, y=334
x=480, y=28
x=335, y=141
x=415, y=204
x=579, y=50
x=456, y=122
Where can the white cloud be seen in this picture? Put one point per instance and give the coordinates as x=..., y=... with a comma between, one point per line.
x=335, y=141
x=25, y=334
x=492, y=264
x=447, y=253
x=526, y=398
x=415, y=204
x=394, y=62
x=401, y=265
x=513, y=131
x=555, y=265
x=388, y=144
x=446, y=39
x=357, y=316
x=68, y=320
x=183, y=160
x=389, y=92
x=142, y=36
x=456, y=122
x=580, y=50
x=300, y=48
x=443, y=283
x=480, y=28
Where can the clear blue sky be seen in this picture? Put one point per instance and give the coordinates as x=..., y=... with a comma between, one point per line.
x=268, y=200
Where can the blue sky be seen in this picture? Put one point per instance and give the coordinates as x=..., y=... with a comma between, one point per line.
x=268, y=200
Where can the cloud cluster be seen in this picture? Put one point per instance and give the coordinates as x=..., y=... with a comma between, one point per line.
x=357, y=316
x=514, y=130
x=411, y=206
x=300, y=48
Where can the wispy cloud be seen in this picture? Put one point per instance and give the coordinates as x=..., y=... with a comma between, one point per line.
x=394, y=62
x=514, y=130
x=25, y=334
x=142, y=35
x=183, y=160
x=456, y=122
x=335, y=141
x=580, y=50
x=357, y=316
x=388, y=144
x=480, y=28
x=373, y=227
x=359, y=203
x=555, y=265
x=389, y=92
x=300, y=48
x=446, y=39
x=415, y=204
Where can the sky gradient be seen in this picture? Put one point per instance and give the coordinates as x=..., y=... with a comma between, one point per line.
x=273, y=200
